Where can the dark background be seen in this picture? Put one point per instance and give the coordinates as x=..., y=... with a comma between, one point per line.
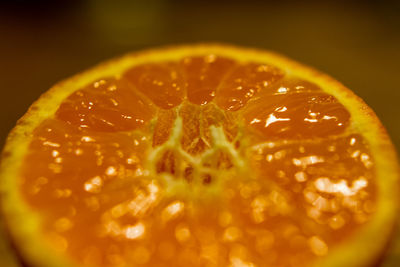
x=356, y=42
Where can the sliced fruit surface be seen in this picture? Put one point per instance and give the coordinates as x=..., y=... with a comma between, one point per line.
x=200, y=155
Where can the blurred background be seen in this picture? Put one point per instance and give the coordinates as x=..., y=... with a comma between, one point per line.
x=356, y=42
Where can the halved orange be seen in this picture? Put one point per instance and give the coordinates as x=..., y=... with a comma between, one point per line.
x=203, y=155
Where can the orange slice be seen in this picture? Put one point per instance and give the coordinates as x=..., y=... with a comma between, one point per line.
x=202, y=155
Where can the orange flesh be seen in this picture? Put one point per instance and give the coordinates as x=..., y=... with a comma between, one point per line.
x=309, y=182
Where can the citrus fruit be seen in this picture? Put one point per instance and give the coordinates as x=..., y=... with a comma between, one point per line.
x=203, y=155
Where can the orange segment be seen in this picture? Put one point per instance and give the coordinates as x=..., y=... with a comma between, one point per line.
x=81, y=174
x=206, y=157
x=326, y=177
x=310, y=196
x=106, y=105
x=162, y=83
x=65, y=158
x=244, y=82
x=203, y=75
x=296, y=109
x=328, y=191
